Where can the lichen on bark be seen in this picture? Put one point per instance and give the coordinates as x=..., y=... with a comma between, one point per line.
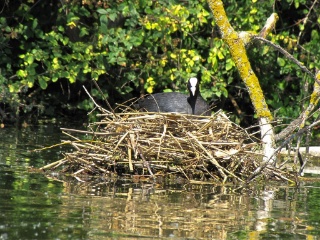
x=239, y=56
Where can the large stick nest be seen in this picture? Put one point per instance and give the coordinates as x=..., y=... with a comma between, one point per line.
x=151, y=144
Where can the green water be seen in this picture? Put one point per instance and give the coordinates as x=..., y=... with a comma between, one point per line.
x=33, y=206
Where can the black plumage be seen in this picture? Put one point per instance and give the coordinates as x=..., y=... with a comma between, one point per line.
x=176, y=102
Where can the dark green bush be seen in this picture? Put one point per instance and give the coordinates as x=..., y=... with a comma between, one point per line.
x=50, y=49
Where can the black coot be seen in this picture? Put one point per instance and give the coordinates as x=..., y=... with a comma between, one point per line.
x=176, y=102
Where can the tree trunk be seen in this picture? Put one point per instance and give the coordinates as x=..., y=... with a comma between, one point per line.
x=236, y=45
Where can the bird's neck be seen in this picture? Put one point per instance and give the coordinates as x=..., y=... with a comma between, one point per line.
x=192, y=101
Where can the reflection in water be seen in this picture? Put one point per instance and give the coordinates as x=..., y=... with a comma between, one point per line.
x=204, y=212
x=35, y=207
x=195, y=212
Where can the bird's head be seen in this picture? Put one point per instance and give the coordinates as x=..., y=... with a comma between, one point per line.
x=193, y=86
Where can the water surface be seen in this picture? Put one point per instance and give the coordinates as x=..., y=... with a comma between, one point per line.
x=33, y=206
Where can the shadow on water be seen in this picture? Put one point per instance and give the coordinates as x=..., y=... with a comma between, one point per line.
x=35, y=207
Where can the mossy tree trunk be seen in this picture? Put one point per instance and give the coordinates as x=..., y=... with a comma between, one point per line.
x=236, y=45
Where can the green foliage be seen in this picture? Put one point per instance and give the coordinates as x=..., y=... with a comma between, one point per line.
x=130, y=47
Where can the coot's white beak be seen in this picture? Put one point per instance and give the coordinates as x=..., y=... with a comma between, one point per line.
x=193, y=85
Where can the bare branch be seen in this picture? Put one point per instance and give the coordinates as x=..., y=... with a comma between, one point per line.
x=287, y=55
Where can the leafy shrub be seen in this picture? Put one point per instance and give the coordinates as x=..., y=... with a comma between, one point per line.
x=50, y=49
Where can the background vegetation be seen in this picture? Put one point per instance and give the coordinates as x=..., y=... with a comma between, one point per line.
x=49, y=49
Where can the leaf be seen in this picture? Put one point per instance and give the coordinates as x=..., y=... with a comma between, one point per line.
x=30, y=59
x=12, y=88
x=229, y=64
x=104, y=23
x=83, y=32
x=43, y=83
x=72, y=78
x=21, y=73
x=30, y=84
x=94, y=75
x=102, y=11
x=224, y=92
x=34, y=23
x=65, y=74
x=281, y=62
x=265, y=50
x=173, y=55
x=113, y=16
x=214, y=62
x=220, y=55
x=150, y=89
